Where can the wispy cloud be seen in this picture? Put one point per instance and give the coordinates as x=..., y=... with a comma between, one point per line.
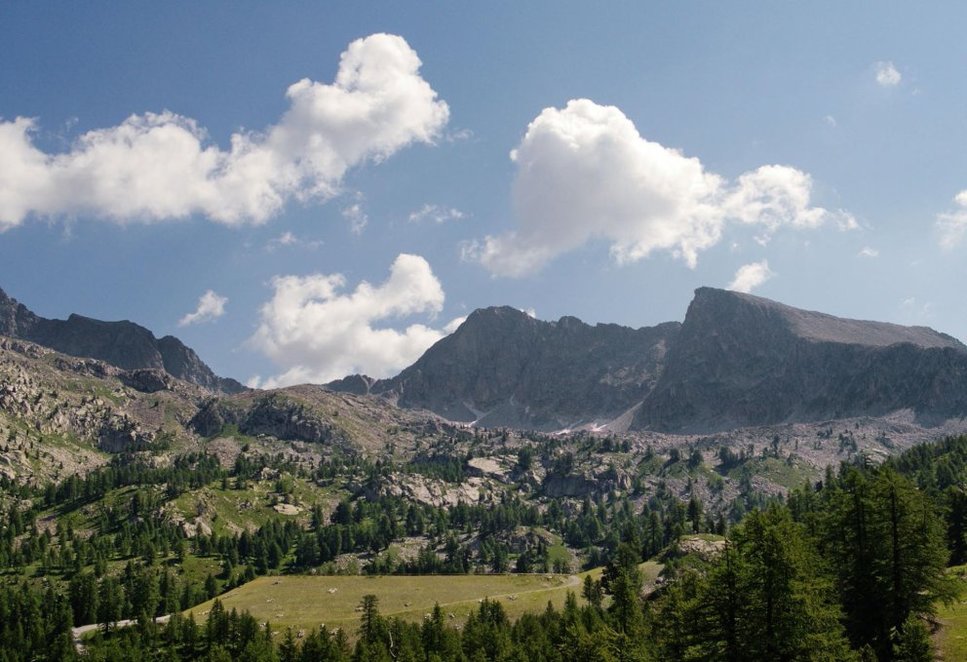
x=357, y=217
x=289, y=240
x=211, y=306
x=952, y=225
x=436, y=214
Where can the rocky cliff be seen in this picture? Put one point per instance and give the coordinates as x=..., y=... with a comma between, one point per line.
x=737, y=360
x=123, y=344
x=62, y=415
x=743, y=360
x=505, y=368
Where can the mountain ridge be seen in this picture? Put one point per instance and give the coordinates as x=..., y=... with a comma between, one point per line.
x=821, y=326
x=124, y=344
x=500, y=366
x=744, y=360
x=736, y=360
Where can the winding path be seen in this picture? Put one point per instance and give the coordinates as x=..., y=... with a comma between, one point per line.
x=78, y=633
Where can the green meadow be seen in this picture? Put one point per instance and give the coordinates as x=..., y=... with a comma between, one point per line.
x=304, y=602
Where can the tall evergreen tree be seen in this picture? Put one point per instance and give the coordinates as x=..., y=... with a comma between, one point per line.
x=887, y=543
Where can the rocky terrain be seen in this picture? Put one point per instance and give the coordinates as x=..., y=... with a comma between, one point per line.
x=788, y=392
x=505, y=368
x=741, y=360
x=62, y=415
x=736, y=361
x=297, y=454
x=123, y=344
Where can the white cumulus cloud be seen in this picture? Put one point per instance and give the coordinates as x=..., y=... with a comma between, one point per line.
x=887, y=74
x=584, y=173
x=952, y=225
x=159, y=166
x=750, y=276
x=211, y=306
x=869, y=251
x=316, y=331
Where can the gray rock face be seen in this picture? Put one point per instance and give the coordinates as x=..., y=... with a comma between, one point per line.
x=16, y=321
x=271, y=415
x=737, y=360
x=355, y=384
x=123, y=344
x=742, y=360
x=504, y=368
x=146, y=380
x=182, y=362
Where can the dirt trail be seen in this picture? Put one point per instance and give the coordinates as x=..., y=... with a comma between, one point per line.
x=78, y=633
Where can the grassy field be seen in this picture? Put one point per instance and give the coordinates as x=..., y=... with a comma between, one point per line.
x=951, y=640
x=308, y=601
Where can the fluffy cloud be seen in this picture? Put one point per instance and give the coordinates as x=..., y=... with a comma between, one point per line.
x=316, y=331
x=887, y=75
x=869, y=251
x=952, y=226
x=211, y=306
x=751, y=276
x=436, y=213
x=585, y=173
x=160, y=166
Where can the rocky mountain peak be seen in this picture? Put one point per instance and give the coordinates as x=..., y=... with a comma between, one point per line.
x=722, y=308
x=743, y=360
x=737, y=360
x=502, y=367
x=123, y=344
x=15, y=319
x=483, y=320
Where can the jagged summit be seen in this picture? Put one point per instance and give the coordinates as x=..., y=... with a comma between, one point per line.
x=505, y=313
x=736, y=360
x=124, y=344
x=502, y=367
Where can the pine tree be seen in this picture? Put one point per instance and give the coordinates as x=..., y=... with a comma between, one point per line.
x=888, y=544
x=791, y=610
x=110, y=603
x=913, y=642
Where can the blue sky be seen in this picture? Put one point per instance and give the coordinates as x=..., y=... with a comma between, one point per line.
x=810, y=153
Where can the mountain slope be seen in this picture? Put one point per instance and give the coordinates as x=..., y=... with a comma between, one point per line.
x=505, y=368
x=737, y=360
x=62, y=415
x=743, y=360
x=123, y=344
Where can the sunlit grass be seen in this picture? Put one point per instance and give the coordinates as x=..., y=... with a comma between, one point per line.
x=308, y=601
